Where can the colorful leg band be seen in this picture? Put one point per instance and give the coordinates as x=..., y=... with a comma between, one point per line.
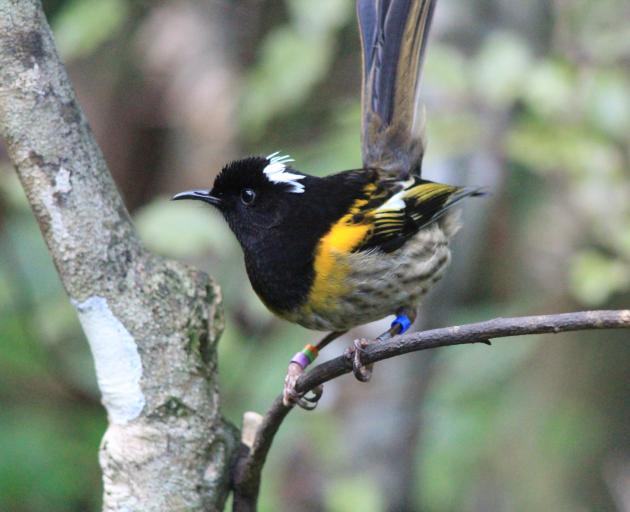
x=403, y=321
x=308, y=354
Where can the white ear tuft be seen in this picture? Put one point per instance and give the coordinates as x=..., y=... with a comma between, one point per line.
x=276, y=172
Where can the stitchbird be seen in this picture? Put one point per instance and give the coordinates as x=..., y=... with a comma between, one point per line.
x=334, y=252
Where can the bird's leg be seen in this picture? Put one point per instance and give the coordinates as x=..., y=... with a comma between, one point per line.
x=405, y=317
x=296, y=368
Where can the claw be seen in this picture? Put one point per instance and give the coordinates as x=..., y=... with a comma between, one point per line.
x=362, y=372
x=291, y=397
x=317, y=393
x=308, y=403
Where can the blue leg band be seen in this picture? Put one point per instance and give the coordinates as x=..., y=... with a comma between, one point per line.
x=404, y=323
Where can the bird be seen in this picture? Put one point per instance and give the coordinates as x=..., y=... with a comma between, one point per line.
x=334, y=252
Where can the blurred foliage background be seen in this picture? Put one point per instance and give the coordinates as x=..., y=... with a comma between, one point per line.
x=530, y=99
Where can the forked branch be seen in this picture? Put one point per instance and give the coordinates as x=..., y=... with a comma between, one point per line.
x=247, y=472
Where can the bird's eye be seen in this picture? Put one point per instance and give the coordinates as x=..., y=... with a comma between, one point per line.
x=248, y=196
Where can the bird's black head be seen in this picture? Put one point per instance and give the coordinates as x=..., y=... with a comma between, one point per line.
x=254, y=195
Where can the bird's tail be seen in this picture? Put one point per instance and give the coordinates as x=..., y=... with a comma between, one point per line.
x=394, y=38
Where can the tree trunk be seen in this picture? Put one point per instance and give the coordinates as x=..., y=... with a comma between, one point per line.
x=152, y=324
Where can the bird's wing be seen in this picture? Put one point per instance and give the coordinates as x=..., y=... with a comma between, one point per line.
x=396, y=211
x=393, y=37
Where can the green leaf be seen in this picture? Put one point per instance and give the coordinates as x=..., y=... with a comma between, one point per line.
x=293, y=60
x=550, y=89
x=502, y=69
x=83, y=25
x=354, y=493
x=595, y=277
x=607, y=101
x=446, y=70
x=544, y=146
x=183, y=228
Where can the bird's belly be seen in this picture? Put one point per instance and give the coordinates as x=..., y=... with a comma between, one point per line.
x=372, y=285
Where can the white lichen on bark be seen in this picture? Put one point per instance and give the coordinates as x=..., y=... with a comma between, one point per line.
x=116, y=360
x=153, y=324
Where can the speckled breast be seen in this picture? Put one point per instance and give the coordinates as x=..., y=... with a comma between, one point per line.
x=375, y=284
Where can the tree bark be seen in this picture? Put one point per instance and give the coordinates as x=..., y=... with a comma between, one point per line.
x=152, y=324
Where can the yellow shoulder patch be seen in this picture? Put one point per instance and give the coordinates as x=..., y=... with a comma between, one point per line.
x=330, y=264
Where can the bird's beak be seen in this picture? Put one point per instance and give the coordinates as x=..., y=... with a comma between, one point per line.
x=199, y=195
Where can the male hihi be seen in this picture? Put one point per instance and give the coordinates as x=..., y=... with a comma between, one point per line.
x=335, y=252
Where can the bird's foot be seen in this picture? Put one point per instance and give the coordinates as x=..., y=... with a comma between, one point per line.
x=290, y=396
x=362, y=372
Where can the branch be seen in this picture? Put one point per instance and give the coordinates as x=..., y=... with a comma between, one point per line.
x=152, y=324
x=247, y=472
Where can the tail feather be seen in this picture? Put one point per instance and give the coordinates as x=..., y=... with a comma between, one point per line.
x=394, y=37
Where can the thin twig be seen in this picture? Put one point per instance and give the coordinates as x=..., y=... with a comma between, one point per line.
x=248, y=469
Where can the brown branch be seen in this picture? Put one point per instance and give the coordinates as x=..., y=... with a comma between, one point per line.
x=247, y=472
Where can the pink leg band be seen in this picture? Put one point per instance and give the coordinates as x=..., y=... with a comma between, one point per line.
x=301, y=359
